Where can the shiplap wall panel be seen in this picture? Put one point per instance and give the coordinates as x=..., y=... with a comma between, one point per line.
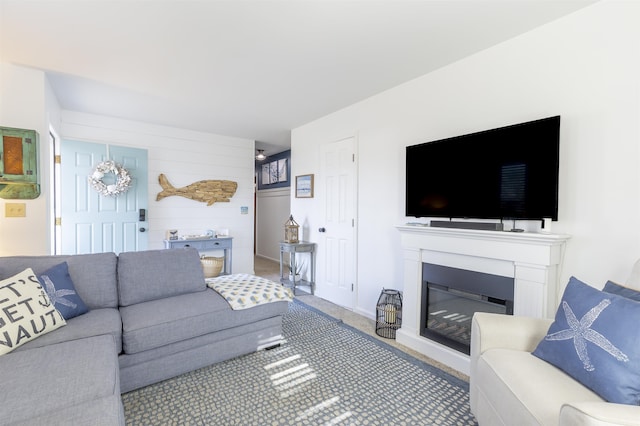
x=184, y=157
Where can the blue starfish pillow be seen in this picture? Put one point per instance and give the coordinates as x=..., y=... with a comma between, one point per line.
x=59, y=287
x=594, y=339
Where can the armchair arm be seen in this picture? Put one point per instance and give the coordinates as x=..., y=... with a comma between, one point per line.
x=599, y=414
x=501, y=331
x=506, y=331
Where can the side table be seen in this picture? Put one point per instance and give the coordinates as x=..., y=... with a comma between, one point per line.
x=294, y=248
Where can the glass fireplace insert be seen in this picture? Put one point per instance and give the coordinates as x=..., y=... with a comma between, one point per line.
x=451, y=296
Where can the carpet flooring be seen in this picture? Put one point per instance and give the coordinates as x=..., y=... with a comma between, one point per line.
x=326, y=372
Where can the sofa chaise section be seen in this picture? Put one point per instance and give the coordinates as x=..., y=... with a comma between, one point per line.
x=74, y=382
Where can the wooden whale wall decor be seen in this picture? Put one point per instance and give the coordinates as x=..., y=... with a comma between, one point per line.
x=206, y=191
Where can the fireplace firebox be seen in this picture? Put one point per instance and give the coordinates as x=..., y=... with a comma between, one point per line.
x=450, y=297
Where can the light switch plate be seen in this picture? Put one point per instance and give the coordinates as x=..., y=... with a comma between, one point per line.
x=15, y=210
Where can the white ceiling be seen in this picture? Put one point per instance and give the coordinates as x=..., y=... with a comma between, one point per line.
x=250, y=69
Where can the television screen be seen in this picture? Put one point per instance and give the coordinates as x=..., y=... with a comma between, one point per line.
x=505, y=173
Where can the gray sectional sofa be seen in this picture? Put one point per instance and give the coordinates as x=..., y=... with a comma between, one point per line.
x=150, y=317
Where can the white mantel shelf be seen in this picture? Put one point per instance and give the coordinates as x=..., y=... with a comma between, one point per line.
x=479, y=234
x=532, y=259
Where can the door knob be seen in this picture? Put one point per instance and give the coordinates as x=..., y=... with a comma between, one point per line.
x=322, y=230
x=142, y=229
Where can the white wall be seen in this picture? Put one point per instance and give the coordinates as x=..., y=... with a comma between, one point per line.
x=27, y=102
x=185, y=157
x=584, y=67
x=273, y=207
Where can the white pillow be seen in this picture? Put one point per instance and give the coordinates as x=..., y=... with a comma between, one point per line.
x=26, y=312
x=634, y=279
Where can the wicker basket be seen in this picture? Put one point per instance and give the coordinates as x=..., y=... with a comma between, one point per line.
x=212, y=266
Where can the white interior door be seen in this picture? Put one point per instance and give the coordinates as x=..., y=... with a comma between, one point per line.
x=338, y=276
x=94, y=223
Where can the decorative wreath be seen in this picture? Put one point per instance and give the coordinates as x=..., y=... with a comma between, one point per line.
x=123, y=179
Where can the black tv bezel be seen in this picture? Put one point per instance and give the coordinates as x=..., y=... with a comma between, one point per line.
x=551, y=154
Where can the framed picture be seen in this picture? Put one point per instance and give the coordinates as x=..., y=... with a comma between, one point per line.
x=273, y=172
x=270, y=174
x=304, y=186
x=282, y=170
x=265, y=174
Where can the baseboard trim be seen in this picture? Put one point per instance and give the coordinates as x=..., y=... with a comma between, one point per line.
x=447, y=356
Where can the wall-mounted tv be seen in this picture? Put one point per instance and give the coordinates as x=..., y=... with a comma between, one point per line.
x=505, y=173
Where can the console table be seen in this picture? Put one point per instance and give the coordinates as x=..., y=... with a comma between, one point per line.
x=207, y=244
x=293, y=248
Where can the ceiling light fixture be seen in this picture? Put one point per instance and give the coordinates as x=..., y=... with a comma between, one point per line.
x=260, y=156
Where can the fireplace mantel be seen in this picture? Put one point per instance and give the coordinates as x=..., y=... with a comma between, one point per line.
x=531, y=259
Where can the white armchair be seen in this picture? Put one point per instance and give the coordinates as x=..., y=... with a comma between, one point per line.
x=510, y=386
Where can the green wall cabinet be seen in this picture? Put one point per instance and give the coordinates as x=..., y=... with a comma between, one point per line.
x=18, y=164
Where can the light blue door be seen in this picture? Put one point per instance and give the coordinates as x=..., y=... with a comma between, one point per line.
x=95, y=223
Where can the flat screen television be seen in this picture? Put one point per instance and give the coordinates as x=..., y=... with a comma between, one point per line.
x=505, y=173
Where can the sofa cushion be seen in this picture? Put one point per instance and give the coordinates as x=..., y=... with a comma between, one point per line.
x=94, y=275
x=594, y=340
x=61, y=377
x=94, y=323
x=161, y=322
x=144, y=368
x=25, y=311
x=269, y=329
x=62, y=292
x=629, y=293
x=155, y=274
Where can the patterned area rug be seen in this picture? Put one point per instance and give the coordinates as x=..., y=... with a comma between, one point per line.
x=325, y=373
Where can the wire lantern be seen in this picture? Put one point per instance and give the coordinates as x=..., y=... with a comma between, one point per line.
x=388, y=313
